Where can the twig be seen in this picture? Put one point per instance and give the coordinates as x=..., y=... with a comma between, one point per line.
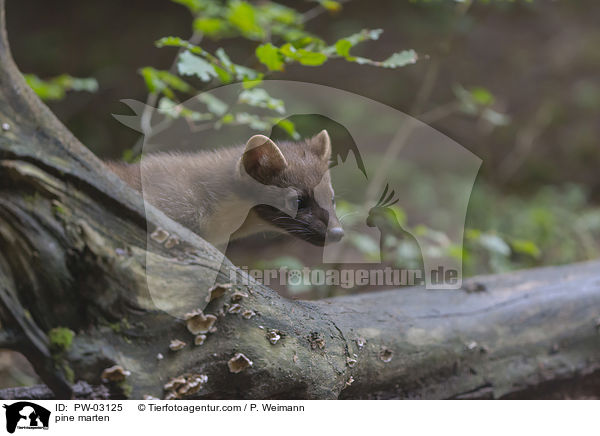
x=146, y=118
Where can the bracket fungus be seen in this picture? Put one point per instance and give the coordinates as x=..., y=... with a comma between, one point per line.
x=159, y=235
x=176, y=345
x=247, y=314
x=198, y=323
x=184, y=385
x=238, y=363
x=238, y=296
x=217, y=291
x=115, y=374
x=171, y=242
x=273, y=336
x=236, y=308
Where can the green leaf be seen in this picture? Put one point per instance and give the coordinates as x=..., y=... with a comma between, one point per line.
x=245, y=73
x=305, y=57
x=129, y=157
x=215, y=105
x=331, y=5
x=274, y=12
x=400, y=59
x=476, y=101
x=310, y=58
x=192, y=65
x=225, y=61
x=227, y=119
x=175, y=41
x=223, y=75
x=472, y=234
x=251, y=83
x=240, y=72
x=342, y=47
x=494, y=243
x=288, y=50
x=457, y=252
x=212, y=27
x=194, y=6
x=242, y=15
x=307, y=42
x=482, y=96
x=56, y=88
x=292, y=34
x=258, y=97
x=288, y=126
x=77, y=84
x=168, y=107
x=525, y=247
x=173, y=81
x=269, y=55
x=253, y=121
x=364, y=35
x=152, y=81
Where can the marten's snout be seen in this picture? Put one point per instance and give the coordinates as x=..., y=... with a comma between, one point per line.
x=335, y=234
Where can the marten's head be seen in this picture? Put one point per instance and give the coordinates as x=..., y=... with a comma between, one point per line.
x=302, y=169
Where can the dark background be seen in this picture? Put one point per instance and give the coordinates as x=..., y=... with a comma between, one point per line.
x=540, y=56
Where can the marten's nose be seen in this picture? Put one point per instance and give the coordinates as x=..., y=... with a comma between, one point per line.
x=335, y=234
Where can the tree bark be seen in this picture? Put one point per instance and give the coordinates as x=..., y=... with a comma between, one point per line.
x=74, y=253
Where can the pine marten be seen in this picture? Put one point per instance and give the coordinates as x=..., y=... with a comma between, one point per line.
x=214, y=192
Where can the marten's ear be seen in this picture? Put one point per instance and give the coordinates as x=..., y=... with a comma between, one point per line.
x=320, y=144
x=262, y=158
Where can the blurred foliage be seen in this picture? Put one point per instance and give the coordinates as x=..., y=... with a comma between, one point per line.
x=280, y=40
x=56, y=88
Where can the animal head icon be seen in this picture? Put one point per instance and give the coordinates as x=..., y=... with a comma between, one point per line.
x=382, y=215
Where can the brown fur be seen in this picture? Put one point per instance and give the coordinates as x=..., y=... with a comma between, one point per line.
x=206, y=191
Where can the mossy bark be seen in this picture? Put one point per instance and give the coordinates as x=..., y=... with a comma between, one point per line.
x=74, y=254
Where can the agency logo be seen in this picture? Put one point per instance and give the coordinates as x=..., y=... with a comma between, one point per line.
x=26, y=415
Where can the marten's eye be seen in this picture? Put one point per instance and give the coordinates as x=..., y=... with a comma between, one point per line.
x=302, y=201
x=297, y=201
x=333, y=200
